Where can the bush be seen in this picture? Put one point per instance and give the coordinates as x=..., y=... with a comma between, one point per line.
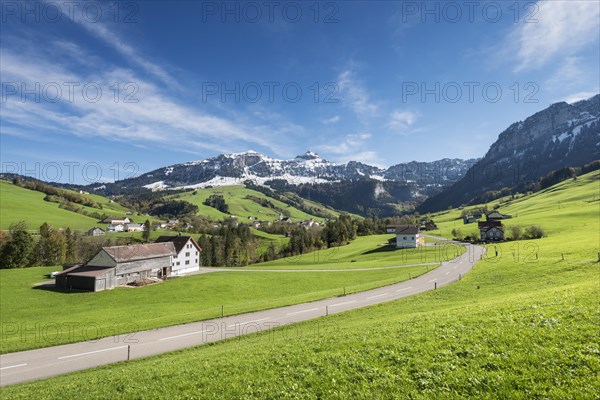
x=534, y=232
x=516, y=232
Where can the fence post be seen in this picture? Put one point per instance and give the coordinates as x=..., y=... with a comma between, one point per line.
x=435, y=285
x=326, y=310
x=222, y=311
x=128, y=351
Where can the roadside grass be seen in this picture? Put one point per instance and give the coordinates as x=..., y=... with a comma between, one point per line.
x=28, y=314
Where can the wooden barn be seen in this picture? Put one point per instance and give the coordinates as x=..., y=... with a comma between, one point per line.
x=119, y=265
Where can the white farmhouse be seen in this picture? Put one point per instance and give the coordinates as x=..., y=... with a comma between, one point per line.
x=187, y=257
x=116, y=228
x=408, y=236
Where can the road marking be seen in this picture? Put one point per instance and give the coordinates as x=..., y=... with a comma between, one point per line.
x=91, y=352
x=182, y=335
x=401, y=290
x=379, y=295
x=248, y=322
x=303, y=311
x=447, y=272
x=433, y=280
x=341, y=304
x=13, y=366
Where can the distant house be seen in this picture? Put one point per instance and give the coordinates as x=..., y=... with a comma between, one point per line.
x=187, y=254
x=490, y=231
x=495, y=216
x=134, y=227
x=255, y=224
x=469, y=219
x=95, y=231
x=408, y=236
x=390, y=229
x=118, y=265
x=116, y=220
x=428, y=226
x=115, y=228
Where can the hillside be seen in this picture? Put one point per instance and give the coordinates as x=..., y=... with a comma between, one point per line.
x=517, y=326
x=562, y=135
x=239, y=200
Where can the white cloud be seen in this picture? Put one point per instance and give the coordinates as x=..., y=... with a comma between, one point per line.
x=353, y=147
x=562, y=29
x=355, y=96
x=332, y=120
x=102, y=32
x=401, y=120
x=575, y=97
x=157, y=118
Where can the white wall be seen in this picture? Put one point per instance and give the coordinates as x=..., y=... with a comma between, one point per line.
x=188, y=260
x=406, y=241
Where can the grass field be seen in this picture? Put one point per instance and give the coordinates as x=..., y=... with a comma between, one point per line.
x=192, y=298
x=364, y=252
x=18, y=204
x=239, y=205
x=517, y=327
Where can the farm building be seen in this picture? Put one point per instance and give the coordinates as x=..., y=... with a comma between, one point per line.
x=496, y=216
x=491, y=230
x=134, y=227
x=119, y=265
x=95, y=231
x=187, y=254
x=407, y=236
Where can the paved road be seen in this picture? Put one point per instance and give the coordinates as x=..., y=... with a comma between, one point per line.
x=51, y=361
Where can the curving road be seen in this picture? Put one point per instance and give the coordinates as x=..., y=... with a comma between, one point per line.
x=46, y=362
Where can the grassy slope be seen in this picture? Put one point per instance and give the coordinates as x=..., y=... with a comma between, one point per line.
x=18, y=204
x=23, y=204
x=515, y=327
x=242, y=207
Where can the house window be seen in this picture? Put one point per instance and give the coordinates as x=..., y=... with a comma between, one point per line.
x=175, y=256
x=177, y=262
x=404, y=238
x=196, y=261
x=413, y=238
x=187, y=254
x=187, y=262
x=196, y=253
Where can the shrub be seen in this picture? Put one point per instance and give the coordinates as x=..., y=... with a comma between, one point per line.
x=534, y=232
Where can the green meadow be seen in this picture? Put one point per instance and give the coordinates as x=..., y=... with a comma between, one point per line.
x=18, y=204
x=240, y=206
x=364, y=252
x=523, y=324
x=191, y=298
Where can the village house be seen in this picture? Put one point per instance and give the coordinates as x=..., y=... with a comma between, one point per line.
x=118, y=265
x=408, y=236
x=491, y=231
x=496, y=216
x=134, y=227
x=115, y=228
x=116, y=220
x=95, y=231
x=187, y=254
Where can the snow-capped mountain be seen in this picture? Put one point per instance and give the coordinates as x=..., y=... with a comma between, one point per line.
x=562, y=135
x=235, y=168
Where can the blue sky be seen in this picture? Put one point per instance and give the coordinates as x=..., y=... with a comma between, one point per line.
x=114, y=89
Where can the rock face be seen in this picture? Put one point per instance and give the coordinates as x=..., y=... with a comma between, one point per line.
x=562, y=135
x=229, y=169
